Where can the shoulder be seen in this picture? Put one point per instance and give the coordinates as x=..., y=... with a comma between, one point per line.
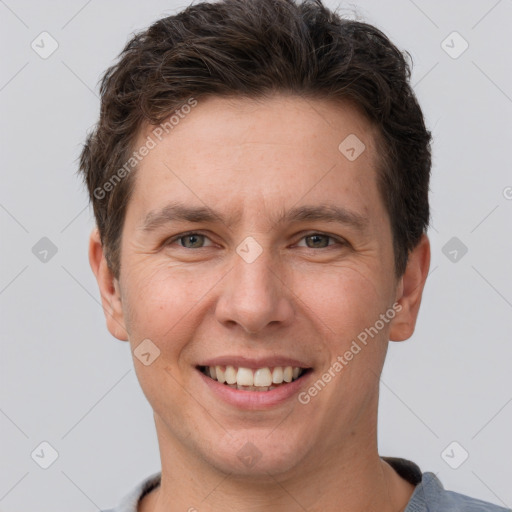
x=130, y=502
x=454, y=501
x=432, y=496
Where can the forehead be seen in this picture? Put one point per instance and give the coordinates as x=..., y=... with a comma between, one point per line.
x=262, y=151
x=279, y=119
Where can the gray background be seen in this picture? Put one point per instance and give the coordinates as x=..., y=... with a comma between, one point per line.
x=66, y=381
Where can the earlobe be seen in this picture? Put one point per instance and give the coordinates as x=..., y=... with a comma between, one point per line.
x=109, y=290
x=410, y=290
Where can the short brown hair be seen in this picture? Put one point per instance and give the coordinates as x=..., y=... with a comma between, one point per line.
x=254, y=48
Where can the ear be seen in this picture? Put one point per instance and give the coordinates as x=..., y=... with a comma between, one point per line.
x=109, y=288
x=410, y=290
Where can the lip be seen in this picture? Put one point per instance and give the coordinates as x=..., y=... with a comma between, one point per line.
x=254, y=363
x=256, y=400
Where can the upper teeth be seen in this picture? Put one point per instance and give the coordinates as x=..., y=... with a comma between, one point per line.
x=263, y=377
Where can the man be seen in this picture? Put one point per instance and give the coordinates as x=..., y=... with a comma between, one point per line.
x=259, y=176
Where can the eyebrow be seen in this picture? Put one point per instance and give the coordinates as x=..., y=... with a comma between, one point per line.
x=179, y=212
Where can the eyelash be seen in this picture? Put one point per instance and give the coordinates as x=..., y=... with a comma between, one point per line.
x=307, y=235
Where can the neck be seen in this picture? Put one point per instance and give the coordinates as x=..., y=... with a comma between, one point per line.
x=354, y=479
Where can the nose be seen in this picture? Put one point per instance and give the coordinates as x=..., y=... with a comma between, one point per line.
x=255, y=296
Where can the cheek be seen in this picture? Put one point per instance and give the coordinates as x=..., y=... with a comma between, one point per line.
x=343, y=299
x=161, y=306
x=349, y=305
x=162, y=299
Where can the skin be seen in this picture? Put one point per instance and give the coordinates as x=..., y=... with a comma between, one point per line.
x=303, y=297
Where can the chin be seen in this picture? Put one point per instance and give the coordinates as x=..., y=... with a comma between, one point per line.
x=261, y=455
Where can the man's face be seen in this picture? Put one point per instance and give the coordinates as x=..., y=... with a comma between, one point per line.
x=257, y=288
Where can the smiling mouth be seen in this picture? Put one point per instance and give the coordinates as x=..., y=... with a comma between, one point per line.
x=258, y=379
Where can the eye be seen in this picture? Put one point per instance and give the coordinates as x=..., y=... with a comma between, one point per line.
x=196, y=240
x=190, y=240
x=320, y=241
